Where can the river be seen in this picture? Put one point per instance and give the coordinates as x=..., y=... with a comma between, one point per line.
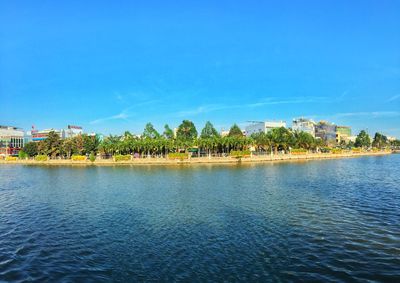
x=329, y=220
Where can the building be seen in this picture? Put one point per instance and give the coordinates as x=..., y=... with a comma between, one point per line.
x=38, y=136
x=343, y=133
x=11, y=140
x=304, y=125
x=326, y=131
x=73, y=131
x=263, y=127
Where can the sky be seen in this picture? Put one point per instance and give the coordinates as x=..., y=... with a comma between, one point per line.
x=111, y=66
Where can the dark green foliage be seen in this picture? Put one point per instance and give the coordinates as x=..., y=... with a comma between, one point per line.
x=168, y=132
x=235, y=131
x=149, y=132
x=31, y=149
x=186, y=131
x=363, y=140
x=209, y=131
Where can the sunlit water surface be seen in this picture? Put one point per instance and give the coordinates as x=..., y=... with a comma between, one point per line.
x=334, y=220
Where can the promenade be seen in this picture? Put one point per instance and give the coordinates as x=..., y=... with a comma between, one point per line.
x=200, y=160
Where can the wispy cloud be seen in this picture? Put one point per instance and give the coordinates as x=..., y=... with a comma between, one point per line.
x=374, y=114
x=263, y=102
x=393, y=98
x=121, y=116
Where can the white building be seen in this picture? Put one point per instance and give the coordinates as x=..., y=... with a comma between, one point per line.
x=304, y=125
x=73, y=131
x=263, y=127
x=11, y=140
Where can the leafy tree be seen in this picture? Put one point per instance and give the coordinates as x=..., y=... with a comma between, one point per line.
x=209, y=131
x=168, y=132
x=281, y=138
x=235, y=131
x=31, y=148
x=304, y=140
x=53, y=143
x=363, y=139
x=262, y=141
x=186, y=131
x=379, y=140
x=90, y=143
x=150, y=132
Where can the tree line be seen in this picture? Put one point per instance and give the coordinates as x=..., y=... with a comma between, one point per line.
x=187, y=138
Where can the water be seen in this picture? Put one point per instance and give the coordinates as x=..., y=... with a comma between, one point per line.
x=332, y=220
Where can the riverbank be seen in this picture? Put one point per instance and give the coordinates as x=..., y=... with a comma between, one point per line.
x=200, y=160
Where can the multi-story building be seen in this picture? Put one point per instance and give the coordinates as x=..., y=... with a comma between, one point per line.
x=263, y=127
x=343, y=133
x=304, y=125
x=42, y=135
x=326, y=131
x=11, y=140
x=73, y=131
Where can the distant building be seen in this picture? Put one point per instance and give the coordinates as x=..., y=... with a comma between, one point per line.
x=224, y=133
x=263, y=127
x=11, y=140
x=343, y=133
x=73, y=131
x=38, y=136
x=326, y=131
x=304, y=125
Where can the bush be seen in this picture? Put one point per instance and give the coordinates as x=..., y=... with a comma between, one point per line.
x=77, y=157
x=298, y=151
x=41, y=158
x=337, y=151
x=92, y=158
x=239, y=153
x=178, y=155
x=356, y=150
x=11, y=158
x=22, y=154
x=121, y=157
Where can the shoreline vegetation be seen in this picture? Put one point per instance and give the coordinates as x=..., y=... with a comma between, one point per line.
x=186, y=146
x=199, y=160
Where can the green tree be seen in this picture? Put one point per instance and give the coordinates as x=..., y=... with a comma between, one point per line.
x=31, y=148
x=168, y=132
x=304, y=140
x=53, y=144
x=281, y=138
x=186, y=131
x=379, y=141
x=209, y=131
x=150, y=132
x=90, y=143
x=235, y=131
x=363, y=139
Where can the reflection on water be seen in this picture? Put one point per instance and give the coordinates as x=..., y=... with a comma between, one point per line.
x=320, y=220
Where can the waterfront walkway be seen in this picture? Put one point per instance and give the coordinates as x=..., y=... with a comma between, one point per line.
x=201, y=160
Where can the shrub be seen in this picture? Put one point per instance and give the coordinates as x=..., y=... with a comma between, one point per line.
x=11, y=158
x=121, y=157
x=240, y=153
x=41, y=158
x=337, y=150
x=298, y=151
x=92, y=158
x=77, y=157
x=178, y=155
x=356, y=150
x=22, y=154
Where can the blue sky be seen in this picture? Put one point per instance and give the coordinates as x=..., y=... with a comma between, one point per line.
x=111, y=67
